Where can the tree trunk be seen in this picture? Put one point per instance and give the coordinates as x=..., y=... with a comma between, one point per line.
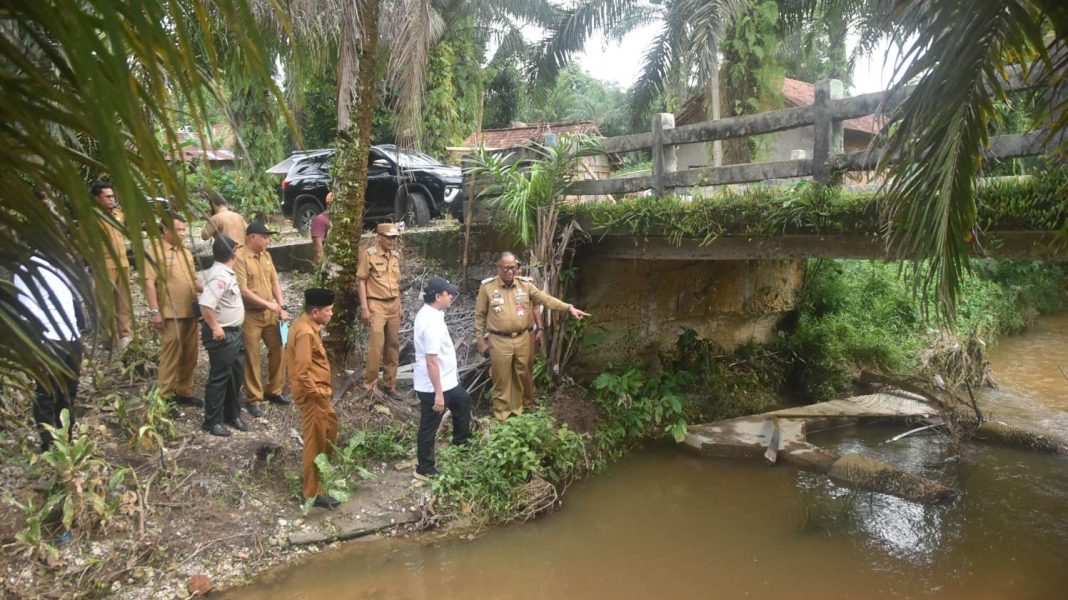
x=350, y=176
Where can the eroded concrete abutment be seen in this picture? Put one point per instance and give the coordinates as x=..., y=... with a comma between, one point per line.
x=642, y=305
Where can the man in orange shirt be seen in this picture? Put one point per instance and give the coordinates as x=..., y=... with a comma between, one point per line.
x=310, y=382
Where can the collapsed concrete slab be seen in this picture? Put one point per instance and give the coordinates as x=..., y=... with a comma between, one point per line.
x=783, y=434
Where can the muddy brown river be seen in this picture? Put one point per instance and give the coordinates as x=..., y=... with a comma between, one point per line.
x=663, y=524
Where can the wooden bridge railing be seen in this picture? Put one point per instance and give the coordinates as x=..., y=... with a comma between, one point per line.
x=825, y=115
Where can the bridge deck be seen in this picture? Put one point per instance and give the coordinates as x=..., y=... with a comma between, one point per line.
x=1038, y=245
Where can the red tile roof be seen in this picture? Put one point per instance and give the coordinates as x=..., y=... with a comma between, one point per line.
x=802, y=93
x=516, y=137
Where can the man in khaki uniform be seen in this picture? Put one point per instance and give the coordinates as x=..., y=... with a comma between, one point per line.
x=502, y=326
x=171, y=289
x=262, y=294
x=118, y=265
x=379, y=275
x=223, y=221
x=309, y=380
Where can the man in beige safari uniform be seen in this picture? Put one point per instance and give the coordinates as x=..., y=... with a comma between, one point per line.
x=379, y=274
x=502, y=326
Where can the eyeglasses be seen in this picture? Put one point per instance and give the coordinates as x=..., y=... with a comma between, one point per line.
x=515, y=268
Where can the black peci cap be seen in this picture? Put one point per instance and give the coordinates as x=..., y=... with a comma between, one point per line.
x=318, y=297
x=258, y=227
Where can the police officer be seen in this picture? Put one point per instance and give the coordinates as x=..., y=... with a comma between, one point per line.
x=502, y=326
x=118, y=265
x=223, y=312
x=378, y=272
x=262, y=293
x=171, y=289
x=309, y=380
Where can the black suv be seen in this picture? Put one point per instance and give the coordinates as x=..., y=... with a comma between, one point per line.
x=409, y=184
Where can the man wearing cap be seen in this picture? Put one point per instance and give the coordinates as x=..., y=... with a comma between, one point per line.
x=223, y=312
x=309, y=380
x=378, y=272
x=118, y=265
x=262, y=293
x=502, y=327
x=171, y=289
x=435, y=377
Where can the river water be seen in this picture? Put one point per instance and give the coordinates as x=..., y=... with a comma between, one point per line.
x=663, y=524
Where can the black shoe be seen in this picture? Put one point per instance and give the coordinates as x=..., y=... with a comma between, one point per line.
x=219, y=430
x=278, y=398
x=238, y=424
x=326, y=501
x=254, y=409
x=187, y=400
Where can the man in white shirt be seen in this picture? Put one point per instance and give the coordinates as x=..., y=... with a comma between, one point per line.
x=435, y=377
x=51, y=304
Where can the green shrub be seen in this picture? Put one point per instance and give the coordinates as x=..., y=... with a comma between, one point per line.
x=82, y=486
x=634, y=405
x=488, y=478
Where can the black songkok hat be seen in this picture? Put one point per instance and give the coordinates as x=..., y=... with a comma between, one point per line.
x=223, y=248
x=318, y=297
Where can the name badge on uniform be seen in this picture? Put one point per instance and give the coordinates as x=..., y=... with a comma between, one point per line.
x=520, y=296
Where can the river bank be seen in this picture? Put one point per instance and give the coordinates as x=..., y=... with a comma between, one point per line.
x=227, y=509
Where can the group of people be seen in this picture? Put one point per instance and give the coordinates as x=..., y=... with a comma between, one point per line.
x=238, y=303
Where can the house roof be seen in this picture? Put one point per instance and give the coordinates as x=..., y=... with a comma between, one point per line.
x=802, y=93
x=795, y=93
x=516, y=137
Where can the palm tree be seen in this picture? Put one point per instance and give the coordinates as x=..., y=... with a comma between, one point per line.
x=86, y=87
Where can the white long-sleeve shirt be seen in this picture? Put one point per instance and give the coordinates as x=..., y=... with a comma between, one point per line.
x=49, y=297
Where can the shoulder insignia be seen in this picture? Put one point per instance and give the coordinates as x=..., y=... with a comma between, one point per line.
x=526, y=279
x=488, y=279
x=372, y=250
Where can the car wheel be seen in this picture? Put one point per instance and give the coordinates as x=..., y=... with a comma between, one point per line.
x=303, y=215
x=417, y=211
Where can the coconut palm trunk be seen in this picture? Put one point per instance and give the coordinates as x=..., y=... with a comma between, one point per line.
x=356, y=92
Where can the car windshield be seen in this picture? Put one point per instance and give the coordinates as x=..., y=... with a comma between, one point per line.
x=411, y=160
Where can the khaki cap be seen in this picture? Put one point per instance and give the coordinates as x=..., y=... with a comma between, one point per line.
x=387, y=229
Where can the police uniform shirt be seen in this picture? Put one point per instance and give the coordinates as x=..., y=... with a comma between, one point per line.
x=257, y=273
x=177, y=290
x=222, y=294
x=506, y=309
x=381, y=274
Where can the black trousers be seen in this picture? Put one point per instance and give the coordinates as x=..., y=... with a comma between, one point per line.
x=459, y=404
x=222, y=394
x=48, y=403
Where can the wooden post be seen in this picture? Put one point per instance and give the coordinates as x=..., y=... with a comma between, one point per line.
x=469, y=207
x=664, y=158
x=827, y=137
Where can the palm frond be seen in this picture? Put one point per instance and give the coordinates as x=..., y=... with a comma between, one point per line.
x=568, y=34
x=940, y=131
x=414, y=28
x=86, y=87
